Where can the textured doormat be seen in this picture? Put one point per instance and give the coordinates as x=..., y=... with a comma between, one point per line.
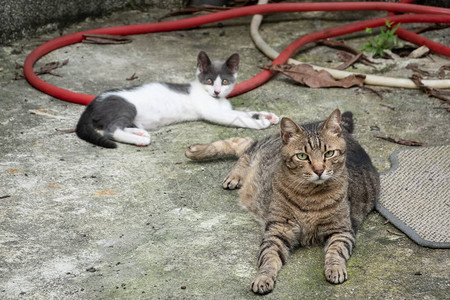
x=415, y=194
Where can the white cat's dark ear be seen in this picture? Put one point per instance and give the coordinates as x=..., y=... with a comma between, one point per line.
x=332, y=125
x=233, y=63
x=289, y=130
x=203, y=61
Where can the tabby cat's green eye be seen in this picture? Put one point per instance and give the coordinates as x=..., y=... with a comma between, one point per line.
x=329, y=154
x=302, y=156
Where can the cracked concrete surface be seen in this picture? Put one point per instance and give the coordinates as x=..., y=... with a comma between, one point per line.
x=81, y=222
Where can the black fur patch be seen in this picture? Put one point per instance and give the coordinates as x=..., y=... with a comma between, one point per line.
x=178, y=88
x=112, y=112
x=108, y=113
x=255, y=116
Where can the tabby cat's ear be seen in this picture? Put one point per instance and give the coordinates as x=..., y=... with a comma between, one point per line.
x=288, y=130
x=203, y=61
x=232, y=63
x=332, y=125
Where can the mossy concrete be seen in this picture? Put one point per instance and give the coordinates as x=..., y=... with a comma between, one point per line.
x=81, y=222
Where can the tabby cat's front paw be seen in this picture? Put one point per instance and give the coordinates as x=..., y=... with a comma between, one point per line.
x=336, y=273
x=263, y=284
x=232, y=182
x=196, y=151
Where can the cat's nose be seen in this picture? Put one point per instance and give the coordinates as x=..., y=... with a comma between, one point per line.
x=319, y=171
x=217, y=93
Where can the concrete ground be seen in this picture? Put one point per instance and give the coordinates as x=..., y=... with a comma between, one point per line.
x=81, y=222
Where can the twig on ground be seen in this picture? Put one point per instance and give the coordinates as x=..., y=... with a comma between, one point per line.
x=106, y=39
x=401, y=141
x=395, y=233
x=431, y=92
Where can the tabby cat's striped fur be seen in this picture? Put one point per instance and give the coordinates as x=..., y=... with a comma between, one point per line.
x=312, y=184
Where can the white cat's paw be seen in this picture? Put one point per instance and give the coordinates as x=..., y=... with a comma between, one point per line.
x=262, y=123
x=142, y=141
x=271, y=117
x=137, y=131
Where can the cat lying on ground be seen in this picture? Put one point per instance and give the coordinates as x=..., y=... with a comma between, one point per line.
x=124, y=114
x=309, y=185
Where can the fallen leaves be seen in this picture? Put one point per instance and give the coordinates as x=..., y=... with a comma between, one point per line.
x=71, y=130
x=401, y=141
x=348, y=59
x=349, y=55
x=305, y=74
x=415, y=68
x=432, y=92
x=442, y=70
x=48, y=68
x=105, y=39
x=105, y=193
x=132, y=77
x=13, y=171
x=51, y=66
x=53, y=185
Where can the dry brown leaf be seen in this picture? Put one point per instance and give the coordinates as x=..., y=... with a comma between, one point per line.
x=401, y=141
x=339, y=44
x=132, y=77
x=105, y=193
x=305, y=74
x=72, y=130
x=431, y=92
x=415, y=68
x=442, y=70
x=53, y=185
x=342, y=45
x=105, y=39
x=348, y=59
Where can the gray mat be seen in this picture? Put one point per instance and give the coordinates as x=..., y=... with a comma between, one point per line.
x=415, y=194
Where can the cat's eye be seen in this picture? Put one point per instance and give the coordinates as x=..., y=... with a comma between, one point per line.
x=329, y=154
x=302, y=156
x=225, y=82
x=209, y=81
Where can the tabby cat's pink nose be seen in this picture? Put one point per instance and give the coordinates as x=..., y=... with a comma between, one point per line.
x=319, y=171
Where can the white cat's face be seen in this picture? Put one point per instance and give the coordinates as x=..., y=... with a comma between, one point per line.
x=217, y=78
x=218, y=88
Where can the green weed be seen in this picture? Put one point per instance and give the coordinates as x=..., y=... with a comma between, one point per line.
x=386, y=40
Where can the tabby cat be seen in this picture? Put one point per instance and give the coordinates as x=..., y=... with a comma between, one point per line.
x=309, y=185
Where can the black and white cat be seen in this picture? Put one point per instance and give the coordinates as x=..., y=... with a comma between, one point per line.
x=125, y=114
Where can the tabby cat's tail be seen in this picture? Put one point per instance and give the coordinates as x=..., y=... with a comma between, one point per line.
x=347, y=121
x=229, y=147
x=86, y=131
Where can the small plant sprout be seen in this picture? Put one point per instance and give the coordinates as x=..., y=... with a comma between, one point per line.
x=386, y=40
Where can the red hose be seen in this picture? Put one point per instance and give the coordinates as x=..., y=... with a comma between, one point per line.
x=417, y=39
x=426, y=14
x=265, y=75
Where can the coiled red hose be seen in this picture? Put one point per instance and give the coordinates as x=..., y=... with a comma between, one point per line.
x=424, y=14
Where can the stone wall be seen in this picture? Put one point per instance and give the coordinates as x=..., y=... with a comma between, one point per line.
x=22, y=18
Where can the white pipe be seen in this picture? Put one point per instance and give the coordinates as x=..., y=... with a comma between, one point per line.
x=338, y=74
